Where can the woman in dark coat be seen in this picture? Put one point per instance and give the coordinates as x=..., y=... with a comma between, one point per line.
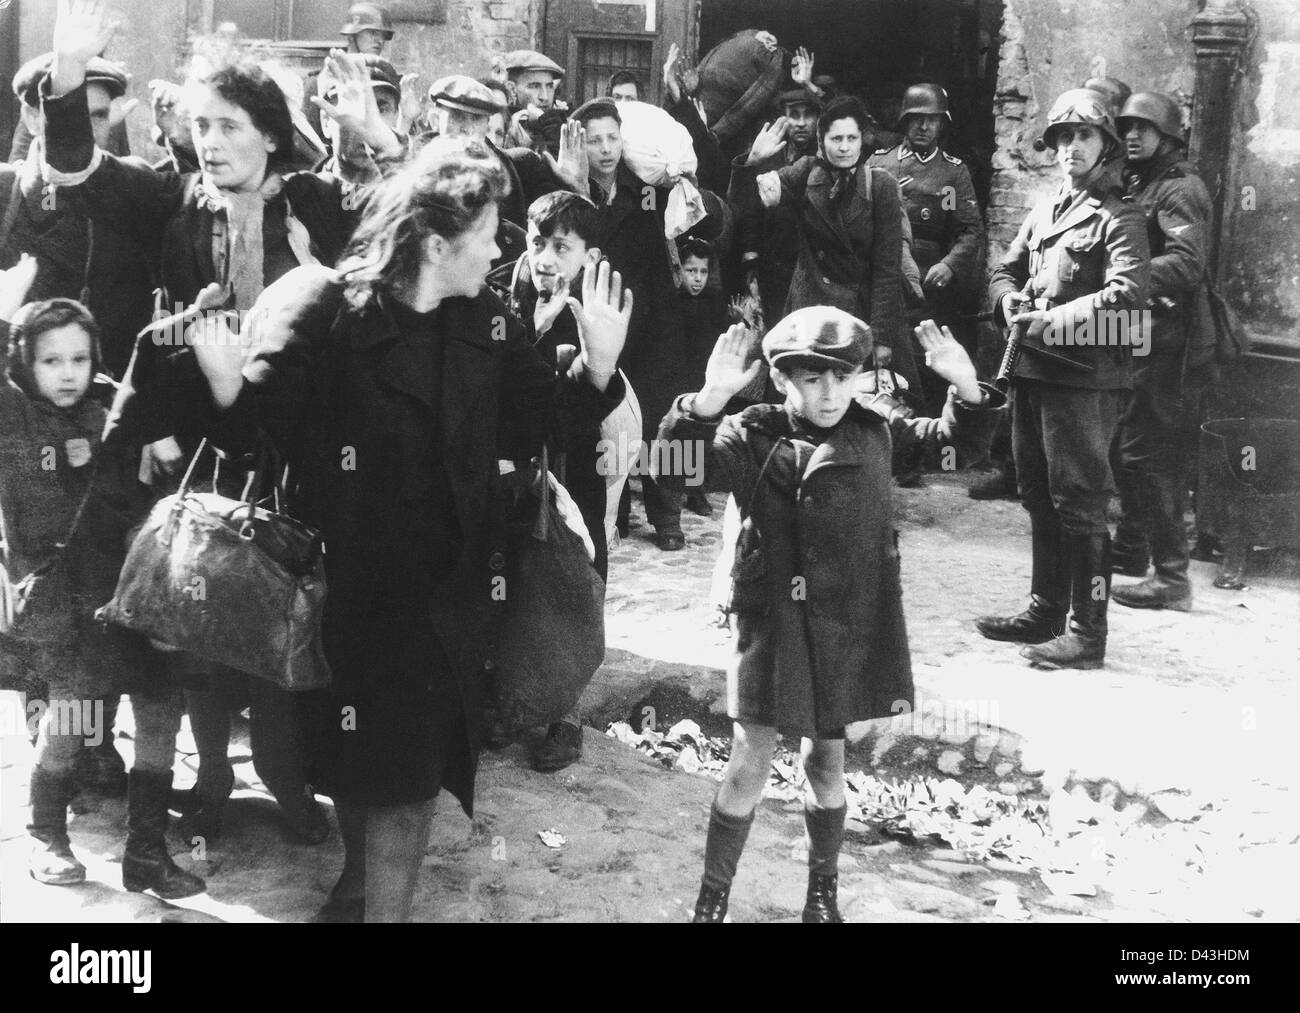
x=850, y=223
x=220, y=236
x=384, y=386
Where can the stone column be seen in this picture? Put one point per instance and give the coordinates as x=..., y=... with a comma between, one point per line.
x=1220, y=33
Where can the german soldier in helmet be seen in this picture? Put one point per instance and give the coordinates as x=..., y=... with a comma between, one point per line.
x=368, y=30
x=1158, y=431
x=1079, y=261
x=939, y=198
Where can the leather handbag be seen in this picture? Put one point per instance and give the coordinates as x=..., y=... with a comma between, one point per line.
x=552, y=638
x=229, y=580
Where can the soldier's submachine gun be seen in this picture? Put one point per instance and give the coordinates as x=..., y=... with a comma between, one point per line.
x=1015, y=346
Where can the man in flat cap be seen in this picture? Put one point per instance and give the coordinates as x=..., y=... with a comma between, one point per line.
x=106, y=82
x=107, y=274
x=462, y=106
x=535, y=122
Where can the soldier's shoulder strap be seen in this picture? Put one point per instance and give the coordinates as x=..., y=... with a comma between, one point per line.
x=951, y=158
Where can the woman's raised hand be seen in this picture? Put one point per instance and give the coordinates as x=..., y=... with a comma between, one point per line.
x=82, y=31
x=728, y=371
x=801, y=67
x=14, y=285
x=769, y=142
x=603, y=317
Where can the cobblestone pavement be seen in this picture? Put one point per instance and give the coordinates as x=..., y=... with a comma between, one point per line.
x=1169, y=776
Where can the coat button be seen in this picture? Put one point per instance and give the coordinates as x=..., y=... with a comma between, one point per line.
x=925, y=214
x=496, y=561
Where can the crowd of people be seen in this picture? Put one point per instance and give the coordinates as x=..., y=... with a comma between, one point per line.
x=438, y=287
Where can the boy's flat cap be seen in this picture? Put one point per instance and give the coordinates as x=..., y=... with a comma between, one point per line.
x=464, y=93
x=112, y=76
x=817, y=337
x=519, y=60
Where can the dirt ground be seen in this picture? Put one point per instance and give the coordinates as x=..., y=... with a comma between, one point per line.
x=1168, y=779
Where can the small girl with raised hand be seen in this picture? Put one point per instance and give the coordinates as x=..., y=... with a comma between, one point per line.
x=68, y=503
x=820, y=639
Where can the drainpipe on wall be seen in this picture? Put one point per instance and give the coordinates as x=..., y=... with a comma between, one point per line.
x=1220, y=35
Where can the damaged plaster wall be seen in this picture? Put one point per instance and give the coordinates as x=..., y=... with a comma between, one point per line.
x=1261, y=266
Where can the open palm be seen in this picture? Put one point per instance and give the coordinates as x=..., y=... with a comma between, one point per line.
x=82, y=30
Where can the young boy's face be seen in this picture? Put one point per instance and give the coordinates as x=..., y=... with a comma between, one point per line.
x=695, y=274
x=562, y=253
x=61, y=367
x=820, y=397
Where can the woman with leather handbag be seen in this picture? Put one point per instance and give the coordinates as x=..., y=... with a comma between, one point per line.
x=220, y=235
x=67, y=503
x=384, y=385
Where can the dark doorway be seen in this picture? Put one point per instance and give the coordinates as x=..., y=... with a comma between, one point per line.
x=876, y=48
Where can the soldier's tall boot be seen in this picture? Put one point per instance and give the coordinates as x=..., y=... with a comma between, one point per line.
x=1083, y=644
x=1049, y=587
x=1168, y=587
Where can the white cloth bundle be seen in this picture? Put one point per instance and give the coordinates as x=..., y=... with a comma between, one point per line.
x=659, y=150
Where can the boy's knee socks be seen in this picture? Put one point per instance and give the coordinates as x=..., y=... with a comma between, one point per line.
x=726, y=841
x=825, y=829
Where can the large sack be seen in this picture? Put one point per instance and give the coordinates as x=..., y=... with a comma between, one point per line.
x=739, y=79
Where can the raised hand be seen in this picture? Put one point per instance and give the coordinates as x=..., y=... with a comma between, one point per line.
x=603, y=317
x=769, y=142
x=728, y=372
x=946, y=357
x=82, y=30
x=411, y=103
x=15, y=284
x=218, y=350
x=801, y=67
x=355, y=109
x=550, y=304
x=671, y=81
x=497, y=69
x=571, y=166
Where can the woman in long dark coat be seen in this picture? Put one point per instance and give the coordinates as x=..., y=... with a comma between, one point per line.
x=217, y=238
x=850, y=223
x=384, y=386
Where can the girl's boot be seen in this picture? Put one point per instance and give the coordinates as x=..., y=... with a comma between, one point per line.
x=146, y=863
x=52, y=860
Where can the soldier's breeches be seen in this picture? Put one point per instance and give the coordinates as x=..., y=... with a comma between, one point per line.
x=1061, y=438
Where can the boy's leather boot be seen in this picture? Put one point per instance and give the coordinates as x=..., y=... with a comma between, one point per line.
x=722, y=850
x=146, y=863
x=52, y=860
x=1084, y=643
x=821, y=904
x=1049, y=591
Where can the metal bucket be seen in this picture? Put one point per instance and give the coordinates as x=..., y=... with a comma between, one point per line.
x=1248, y=489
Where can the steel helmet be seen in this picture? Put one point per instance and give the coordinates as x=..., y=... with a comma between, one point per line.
x=1080, y=105
x=1156, y=108
x=923, y=100
x=368, y=16
x=1115, y=91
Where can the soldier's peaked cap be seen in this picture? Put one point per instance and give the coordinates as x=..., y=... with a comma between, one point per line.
x=520, y=60
x=817, y=337
x=112, y=76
